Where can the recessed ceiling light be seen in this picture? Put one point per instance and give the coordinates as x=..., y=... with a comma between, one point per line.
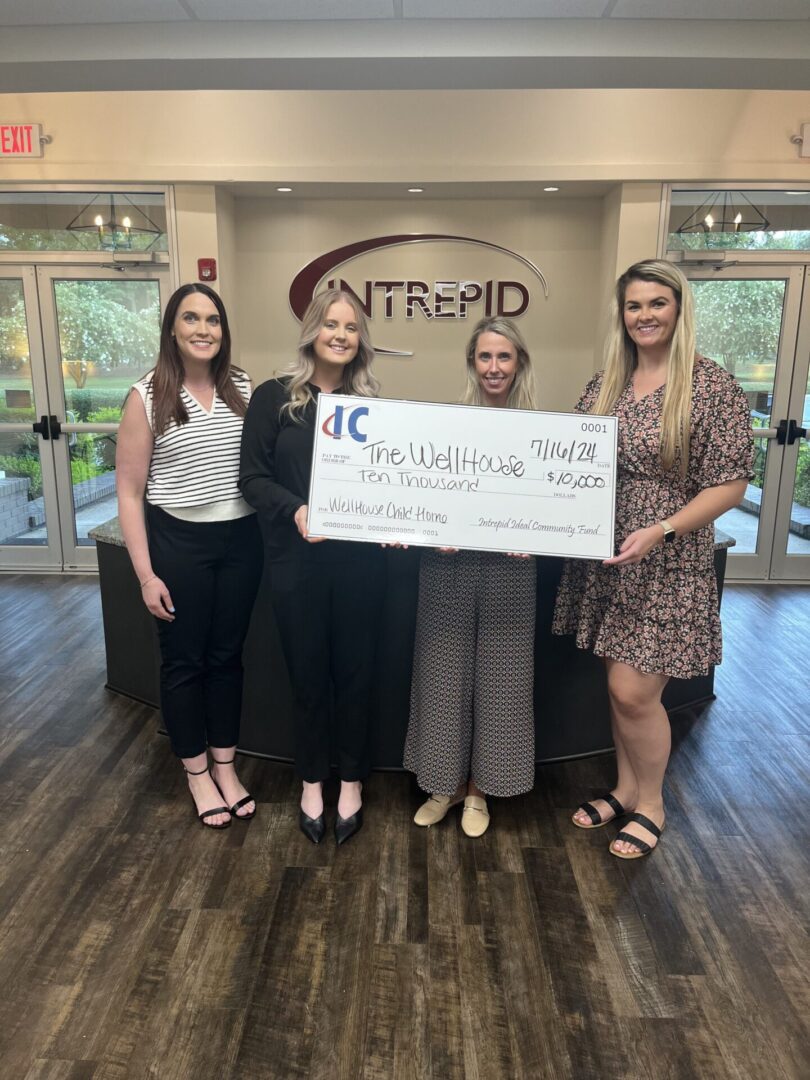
x=551, y=189
x=415, y=190
x=797, y=192
x=283, y=189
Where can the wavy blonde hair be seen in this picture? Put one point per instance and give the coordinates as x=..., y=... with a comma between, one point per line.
x=357, y=375
x=621, y=359
x=521, y=393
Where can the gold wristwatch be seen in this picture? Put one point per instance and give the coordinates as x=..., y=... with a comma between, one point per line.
x=669, y=531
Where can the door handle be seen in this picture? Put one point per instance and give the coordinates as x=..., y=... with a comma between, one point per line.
x=48, y=427
x=781, y=432
x=794, y=433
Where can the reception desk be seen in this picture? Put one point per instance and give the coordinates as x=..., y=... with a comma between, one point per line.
x=570, y=698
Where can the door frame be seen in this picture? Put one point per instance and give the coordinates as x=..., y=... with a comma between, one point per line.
x=48, y=555
x=793, y=568
x=757, y=566
x=61, y=551
x=74, y=555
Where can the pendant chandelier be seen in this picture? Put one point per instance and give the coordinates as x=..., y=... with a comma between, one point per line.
x=725, y=212
x=116, y=221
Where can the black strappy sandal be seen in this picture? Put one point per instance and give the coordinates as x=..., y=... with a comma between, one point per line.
x=242, y=802
x=593, y=813
x=643, y=847
x=209, y=813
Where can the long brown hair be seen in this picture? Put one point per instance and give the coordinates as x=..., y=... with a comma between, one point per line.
x=167, y=379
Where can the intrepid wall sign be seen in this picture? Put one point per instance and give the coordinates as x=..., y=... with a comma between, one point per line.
x=443, y=299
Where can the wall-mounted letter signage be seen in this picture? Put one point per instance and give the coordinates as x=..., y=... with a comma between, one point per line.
x=20, y=140
x=418, y=298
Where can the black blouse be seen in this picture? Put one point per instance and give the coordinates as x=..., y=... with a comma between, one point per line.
x=276, y=462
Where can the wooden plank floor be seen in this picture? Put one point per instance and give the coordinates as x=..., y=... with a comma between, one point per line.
x=135, y=944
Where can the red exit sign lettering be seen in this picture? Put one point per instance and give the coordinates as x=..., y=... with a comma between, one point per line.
x=20, y=140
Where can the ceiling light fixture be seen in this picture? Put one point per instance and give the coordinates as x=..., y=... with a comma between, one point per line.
x=283, y=189
x=415, y=190
x=725, y=212
x=114, y=234
x=551, y=189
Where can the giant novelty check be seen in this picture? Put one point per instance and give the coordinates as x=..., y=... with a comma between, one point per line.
x=465, y=477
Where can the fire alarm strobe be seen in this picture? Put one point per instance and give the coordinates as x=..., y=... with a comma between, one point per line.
x=207, y=269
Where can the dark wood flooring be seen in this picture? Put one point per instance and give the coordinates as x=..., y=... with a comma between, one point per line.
x=135, y=944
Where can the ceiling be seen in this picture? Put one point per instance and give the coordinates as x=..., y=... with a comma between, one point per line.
x=96, y=45
x=487, y=190
x=83, y=12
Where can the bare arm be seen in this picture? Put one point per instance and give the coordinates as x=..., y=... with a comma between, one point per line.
x=132, y=458
x=706, y=506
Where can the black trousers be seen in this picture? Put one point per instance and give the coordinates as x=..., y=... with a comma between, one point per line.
x=326, y=604
x=212, y=571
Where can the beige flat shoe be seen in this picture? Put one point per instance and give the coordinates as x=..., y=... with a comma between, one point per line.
x=435, y=809
x=475, y=816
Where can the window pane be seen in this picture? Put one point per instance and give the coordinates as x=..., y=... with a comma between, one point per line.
x=92, y=474
x=742, y=220
x=743, y=521
x=82, y=221
x=799, y=534
x=109, y=333
x=16, y=388
x=22, y=507
x=738, y=326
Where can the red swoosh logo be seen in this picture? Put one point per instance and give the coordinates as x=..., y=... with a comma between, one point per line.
x=306, y=280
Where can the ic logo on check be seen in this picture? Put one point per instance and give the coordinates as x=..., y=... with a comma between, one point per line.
x=335, y=431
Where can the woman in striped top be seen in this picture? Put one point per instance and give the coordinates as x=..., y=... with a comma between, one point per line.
x=194, y=542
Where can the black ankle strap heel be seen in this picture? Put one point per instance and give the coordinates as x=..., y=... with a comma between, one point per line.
x=242, y=802
x=209, y=813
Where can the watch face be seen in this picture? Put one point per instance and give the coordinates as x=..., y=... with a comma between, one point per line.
x=669, y=536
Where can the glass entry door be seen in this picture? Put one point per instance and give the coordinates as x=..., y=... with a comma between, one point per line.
x=755, y=322
x=72, y=342
x=29, y=516
x=791, y=556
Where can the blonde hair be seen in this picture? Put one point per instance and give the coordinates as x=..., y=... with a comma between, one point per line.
x=357, y=375
x=521, y=392
x=621, y=359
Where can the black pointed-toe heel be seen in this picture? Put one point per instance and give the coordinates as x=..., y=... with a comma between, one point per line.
x=314, y=828
x=347, y=827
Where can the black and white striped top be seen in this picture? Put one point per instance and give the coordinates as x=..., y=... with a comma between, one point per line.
x=196, y=464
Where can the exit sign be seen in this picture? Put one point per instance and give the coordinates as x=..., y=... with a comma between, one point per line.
x=20, y=140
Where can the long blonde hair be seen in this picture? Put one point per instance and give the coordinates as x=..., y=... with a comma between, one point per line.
x=357, y=375
x=521, y=392
x=621, y=359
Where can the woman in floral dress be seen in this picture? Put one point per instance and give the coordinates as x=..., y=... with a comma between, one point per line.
x=651, y=611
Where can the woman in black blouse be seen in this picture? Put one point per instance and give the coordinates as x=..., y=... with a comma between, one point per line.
x=325, y=594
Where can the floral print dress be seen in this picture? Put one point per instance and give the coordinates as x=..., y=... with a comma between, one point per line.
x=660, y=615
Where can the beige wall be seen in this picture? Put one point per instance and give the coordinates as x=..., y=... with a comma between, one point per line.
x=634, y=140
x=274, y=241
x=196, y=222
x=283, y=136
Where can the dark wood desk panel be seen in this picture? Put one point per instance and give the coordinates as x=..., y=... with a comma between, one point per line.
x=571, y=707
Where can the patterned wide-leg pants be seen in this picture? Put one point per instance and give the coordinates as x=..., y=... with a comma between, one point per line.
x=472, y=708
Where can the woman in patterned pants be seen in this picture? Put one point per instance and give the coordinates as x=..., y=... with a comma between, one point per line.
x=471, y=729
